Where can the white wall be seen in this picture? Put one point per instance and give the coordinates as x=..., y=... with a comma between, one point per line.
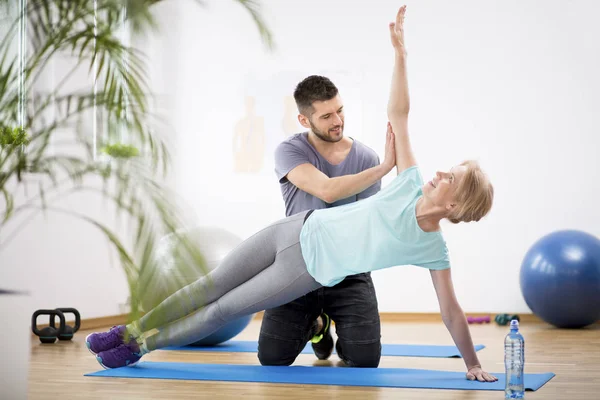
x=511, y=83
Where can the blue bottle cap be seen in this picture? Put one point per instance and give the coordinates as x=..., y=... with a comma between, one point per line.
x=514, y=324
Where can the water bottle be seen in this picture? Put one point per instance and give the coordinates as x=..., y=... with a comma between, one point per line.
x=514, y=362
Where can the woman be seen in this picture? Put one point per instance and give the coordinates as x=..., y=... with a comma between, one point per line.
x=398, y=226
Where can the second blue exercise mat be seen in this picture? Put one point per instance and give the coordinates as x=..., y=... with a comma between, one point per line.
x=398, y=350
x=373, y=377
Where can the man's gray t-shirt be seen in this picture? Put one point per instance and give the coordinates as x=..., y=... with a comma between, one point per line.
x=296, y=150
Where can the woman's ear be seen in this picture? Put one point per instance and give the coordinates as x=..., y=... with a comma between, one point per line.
x=450, y=206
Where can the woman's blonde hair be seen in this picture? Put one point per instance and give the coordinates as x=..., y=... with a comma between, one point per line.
x=474, y=196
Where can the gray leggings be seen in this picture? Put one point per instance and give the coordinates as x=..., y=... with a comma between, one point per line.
x=263, y=272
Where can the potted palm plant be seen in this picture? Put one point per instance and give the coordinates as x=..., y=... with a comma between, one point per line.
x=50, y=146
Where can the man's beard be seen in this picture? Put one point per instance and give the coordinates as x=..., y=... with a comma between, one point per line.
x=327, y=137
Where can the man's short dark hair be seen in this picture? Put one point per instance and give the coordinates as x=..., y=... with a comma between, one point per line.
x=311, y=89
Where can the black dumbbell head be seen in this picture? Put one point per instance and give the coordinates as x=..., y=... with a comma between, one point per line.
x=50, y=333
x=68, y=331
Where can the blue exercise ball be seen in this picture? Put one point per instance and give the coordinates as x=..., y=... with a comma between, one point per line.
x=560, y=279
x=226, y=332
x=171, y=274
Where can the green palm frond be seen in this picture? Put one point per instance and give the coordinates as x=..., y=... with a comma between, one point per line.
x=53, y=154
x=253, y=7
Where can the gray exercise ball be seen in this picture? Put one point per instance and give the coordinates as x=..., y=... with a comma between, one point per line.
x=171, y=273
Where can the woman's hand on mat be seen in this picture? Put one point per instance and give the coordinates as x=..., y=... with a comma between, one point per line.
x=476, y=373
x=389, y=160
x=397, y=31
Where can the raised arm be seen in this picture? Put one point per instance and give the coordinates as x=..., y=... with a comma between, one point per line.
x=456, y=323
x=399, y=101
x=309, y=179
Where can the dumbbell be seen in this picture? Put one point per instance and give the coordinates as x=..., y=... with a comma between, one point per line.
x=50, y=333
x=504, y=319
x=68, y=331
x=478, y=320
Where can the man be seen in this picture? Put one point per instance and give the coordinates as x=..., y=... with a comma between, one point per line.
x=318, y=169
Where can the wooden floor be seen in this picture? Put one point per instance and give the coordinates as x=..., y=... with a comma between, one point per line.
x=573, y=355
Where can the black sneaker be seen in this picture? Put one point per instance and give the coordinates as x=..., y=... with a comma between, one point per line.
x=322, y=342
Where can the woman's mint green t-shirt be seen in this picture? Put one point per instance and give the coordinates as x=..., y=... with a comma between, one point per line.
x=375, y=233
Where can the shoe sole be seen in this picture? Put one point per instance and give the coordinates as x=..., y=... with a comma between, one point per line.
x=99, y=359
x=326, y=335
x=325, y=357
x=87, y=344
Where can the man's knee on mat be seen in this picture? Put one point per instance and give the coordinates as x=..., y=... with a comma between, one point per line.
x=277, y=352
x=359, y=355
x=272, y=359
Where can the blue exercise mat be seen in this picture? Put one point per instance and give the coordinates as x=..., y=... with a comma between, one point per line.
x=333, y=376
x=398, y=350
